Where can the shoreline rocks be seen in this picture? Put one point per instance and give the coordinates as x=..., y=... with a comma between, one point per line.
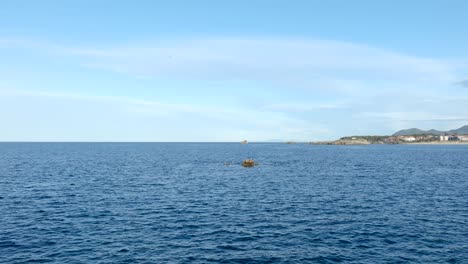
x=343, y=142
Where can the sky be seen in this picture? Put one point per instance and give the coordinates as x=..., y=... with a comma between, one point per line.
x=203, y=71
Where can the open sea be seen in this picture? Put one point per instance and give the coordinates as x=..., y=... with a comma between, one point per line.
x=194, y=203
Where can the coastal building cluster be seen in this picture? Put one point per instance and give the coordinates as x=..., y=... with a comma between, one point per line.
x=426, y=138
x=453, y=138
x=415, y=138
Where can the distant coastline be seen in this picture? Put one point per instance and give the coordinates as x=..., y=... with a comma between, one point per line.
x=361, y=142
x=408, y=136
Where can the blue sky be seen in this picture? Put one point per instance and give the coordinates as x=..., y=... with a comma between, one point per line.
x=230, y=70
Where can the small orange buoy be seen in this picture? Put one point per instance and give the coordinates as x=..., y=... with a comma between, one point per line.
x=248, y=163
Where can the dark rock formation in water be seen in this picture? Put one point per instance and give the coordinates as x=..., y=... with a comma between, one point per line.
x=248, y=163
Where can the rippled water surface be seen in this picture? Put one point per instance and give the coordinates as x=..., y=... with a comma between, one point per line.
x=181, y=203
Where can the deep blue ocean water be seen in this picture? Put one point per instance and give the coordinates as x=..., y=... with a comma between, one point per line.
x=181, y=203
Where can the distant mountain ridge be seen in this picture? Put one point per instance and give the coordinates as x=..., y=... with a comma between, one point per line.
x=416, y=131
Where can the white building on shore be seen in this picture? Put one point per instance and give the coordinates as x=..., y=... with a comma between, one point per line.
x=454, y=138
x=409, y=139
x=444, y=138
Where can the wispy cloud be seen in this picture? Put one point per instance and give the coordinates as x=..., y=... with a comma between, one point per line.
x=296, y=85
x=462, y=83
x=290, y=60
x=312, y=63
x=303, y=107
x=167, y=121
x=413, y=116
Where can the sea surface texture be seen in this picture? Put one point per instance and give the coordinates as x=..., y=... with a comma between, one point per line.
x=194, y=203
